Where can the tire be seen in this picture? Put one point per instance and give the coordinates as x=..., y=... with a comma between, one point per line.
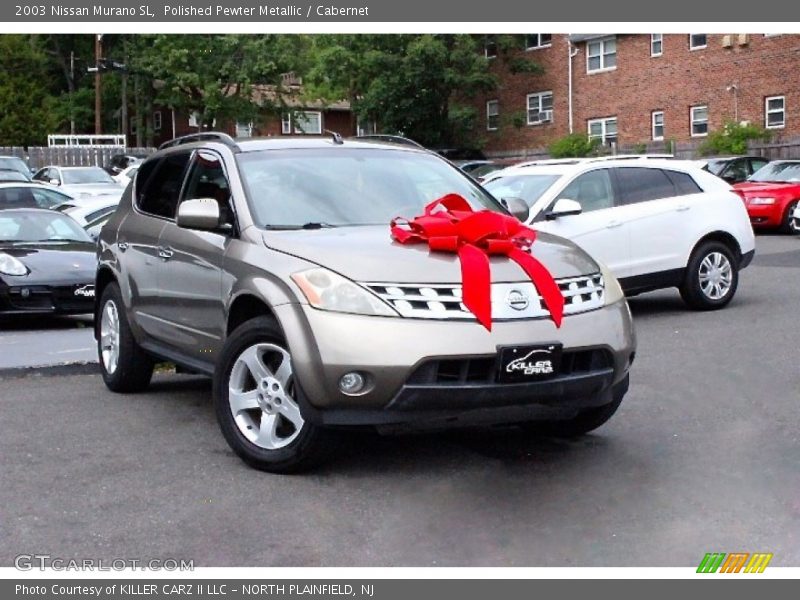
x=125, y=367
x=788, y=224
x=253, y=399
x=712, y=277
x=587, y=420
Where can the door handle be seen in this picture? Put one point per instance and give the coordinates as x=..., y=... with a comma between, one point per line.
x=683, y=207
x=613, y=224
x=122, y=246
x=165, y=253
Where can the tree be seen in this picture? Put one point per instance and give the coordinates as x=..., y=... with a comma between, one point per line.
x=574, y=145
x=213, y=75
x=733, y=139
x=25, y=98
x=420, y=86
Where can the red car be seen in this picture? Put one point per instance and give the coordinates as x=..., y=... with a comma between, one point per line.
x=771, y=195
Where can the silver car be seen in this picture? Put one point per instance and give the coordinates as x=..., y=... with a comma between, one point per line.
x=268, y=264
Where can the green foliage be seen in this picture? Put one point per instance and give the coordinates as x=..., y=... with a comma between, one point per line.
x=733, y=139
x=574, y=145
x=412, y=85
x=640, y=148
x=25, y=99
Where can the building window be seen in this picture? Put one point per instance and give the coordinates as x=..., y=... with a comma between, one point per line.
x=604, y=130
x=775, y=112
x=157, y=120
x=601, y=55
x=698, y=41
x=540, y=108
x=538, y=40
x=308, y=123
x=656, y=44
x=286, y=124
x=699, y=118
x=490, y=47
x=244, y=130
x=658, y=125
x=492, y=115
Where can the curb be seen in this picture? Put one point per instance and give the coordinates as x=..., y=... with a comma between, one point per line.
x=82, y=368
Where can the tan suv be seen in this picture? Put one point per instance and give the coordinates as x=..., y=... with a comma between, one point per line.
x=268, y=264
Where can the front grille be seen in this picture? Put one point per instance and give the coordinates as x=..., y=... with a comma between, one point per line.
x=30, y=298
x=483, y=370
x=510, y=301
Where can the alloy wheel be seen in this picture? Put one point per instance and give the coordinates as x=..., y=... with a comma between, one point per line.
x=109, y=337
x=716, y=275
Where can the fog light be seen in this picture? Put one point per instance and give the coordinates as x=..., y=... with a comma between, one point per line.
x=352, y=383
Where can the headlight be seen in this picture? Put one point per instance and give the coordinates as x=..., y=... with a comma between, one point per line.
x=613, y=291
x=11, y=266
x=326, y=290
x=762, y=200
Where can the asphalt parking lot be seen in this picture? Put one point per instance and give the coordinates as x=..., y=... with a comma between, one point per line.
x=702, y=457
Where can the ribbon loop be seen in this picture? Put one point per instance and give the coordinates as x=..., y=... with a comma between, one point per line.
x=450, y=225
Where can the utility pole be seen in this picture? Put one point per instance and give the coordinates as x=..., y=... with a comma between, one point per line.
x=71, y=99
x=98, y=99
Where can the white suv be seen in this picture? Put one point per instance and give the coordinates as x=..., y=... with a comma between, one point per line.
x=654, y=223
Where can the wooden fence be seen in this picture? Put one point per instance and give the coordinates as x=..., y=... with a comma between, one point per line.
x=63, y=156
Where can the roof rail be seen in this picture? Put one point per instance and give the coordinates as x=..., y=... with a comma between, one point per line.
x=392, y=139
x=206, y=136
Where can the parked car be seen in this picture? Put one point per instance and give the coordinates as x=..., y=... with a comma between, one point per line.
x=268, y=264
x=47, y=263
x=95, y=226
x=119, y=162
x=88, y=211
x=655, y=223
x=732, y=169
x=124, y=177
x=80, y=182
x=10, y=175
x=15, y=163
x=30, y=195
x=771, y=195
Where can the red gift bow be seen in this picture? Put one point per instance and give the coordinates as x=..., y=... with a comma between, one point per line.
x=475, y=236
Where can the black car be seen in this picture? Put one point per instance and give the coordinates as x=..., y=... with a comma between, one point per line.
x=47, y=263
x=733, y=169
x=120, y=162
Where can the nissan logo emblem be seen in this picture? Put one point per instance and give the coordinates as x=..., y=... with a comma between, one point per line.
x=517, y=300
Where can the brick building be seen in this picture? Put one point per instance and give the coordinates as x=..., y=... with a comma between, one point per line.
x=640, y=89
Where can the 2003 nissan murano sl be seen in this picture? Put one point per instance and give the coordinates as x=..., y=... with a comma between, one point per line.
x=268, y=264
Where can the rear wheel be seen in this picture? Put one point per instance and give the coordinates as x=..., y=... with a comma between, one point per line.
x=790, y=224
x=124, y=365
x=712, y=277
x=255, y=400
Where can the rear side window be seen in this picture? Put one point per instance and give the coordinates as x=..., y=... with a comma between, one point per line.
x=158, y=185
x=639, y=184
x=684, y=183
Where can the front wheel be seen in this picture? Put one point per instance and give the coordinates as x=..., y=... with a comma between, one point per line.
x=255, y=400
x=712, y=277
x=790, y=224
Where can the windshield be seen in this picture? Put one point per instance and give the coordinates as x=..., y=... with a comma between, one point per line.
x=86, y=175
x=37, y=226
x=781, y=172
x=527, y=187
x=15, y=164
x=11, y=175
x=716, y=166
x=342, y=186
x=484, y=170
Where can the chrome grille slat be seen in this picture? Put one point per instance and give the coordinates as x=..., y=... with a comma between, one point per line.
x=443, y=301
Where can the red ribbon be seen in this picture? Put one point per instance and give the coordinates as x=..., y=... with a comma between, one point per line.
x=475, y=236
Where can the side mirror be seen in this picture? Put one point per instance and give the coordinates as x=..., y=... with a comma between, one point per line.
x=55, y=182
x=201, y=213
x=563, y=208
x=517, y=207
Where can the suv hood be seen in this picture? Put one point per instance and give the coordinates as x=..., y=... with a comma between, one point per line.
x=368, y=254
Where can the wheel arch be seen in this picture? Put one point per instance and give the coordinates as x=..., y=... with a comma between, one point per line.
x=247, y=306
x=722, y=237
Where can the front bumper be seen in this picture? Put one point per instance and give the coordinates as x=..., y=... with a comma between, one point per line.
x=393, y=352
x=765, y=215
x=64, y=298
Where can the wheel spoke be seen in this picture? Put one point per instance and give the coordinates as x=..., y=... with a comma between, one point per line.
x=267, y=433
x=253, y=361
x=284, y=371
x=242, y=400
x=290, y=411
